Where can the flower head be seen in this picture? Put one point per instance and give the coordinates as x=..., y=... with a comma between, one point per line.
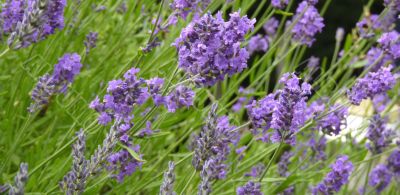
x=380, y=178
x=378, y=134
x=309, y=23
x=390, y=43
x=209, y=48
x=372, y=84
x=335, y=179
x=251, y=188
x=257, y=43
x=393, y=163
x=279, y=4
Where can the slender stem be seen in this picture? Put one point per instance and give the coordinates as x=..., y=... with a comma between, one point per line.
x=272, y=159
x=188, y=182
x=4, y=52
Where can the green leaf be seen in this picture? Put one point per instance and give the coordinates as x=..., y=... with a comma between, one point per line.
x=133, y=153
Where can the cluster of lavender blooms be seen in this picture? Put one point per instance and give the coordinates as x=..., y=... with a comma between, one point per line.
x=118, y=104
x=380, y=178
x=210, y=48
x=183, y=8
x=334, y=121
x=378, y=134
x=74, y=181
x=308, y=22
x=257, y=43
x=284, y=111
x=317, y=147
x=380, y=102
x=393, y=163
x=90, y=41
x=371, y=24
x=167, y=186
x=279, y=4
x=255, y=171
x=30, y=21
x=372, y=84
x=211, y=147
x=335, y=179
x=390, y=43
x=377, y=58
x=251, y=188
x=392, y=4
x=243, y=99
x=65, y=70
x=19, y=182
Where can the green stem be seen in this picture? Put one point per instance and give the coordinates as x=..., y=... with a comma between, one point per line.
x=272, y=159
x=5, y=52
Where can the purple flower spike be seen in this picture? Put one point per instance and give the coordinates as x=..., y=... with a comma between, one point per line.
x=32, y=21
x=182, y=96
x=390, y=42
x=251, y=188
x=12, y=13
x=372, y=84
x=270, y=26
x=380, y=178
x=335, y=179
x=209, y=48
x=309, y=23
x=257, y=43
x=213, y=144
x=284, y=111
x=65, y=70
x=279, y=4
x=334, y=122
x=392, y=4
x=393, y=163
x=379, y=136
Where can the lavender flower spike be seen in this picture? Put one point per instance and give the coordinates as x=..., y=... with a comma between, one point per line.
x=309, y=23
x=372, y=84
x=20, y=180
x=393, y=163
x=74, y=181
x=212, y=144
x=390, y=42
x=205, y=187
x=40, y=19
x=167, y=187
x=65, y=70
x=379, y=136
x=250, y=188
x=335, y=179
x=210, y=48
x=279, y=4
x=90, y=41
x=380, y=178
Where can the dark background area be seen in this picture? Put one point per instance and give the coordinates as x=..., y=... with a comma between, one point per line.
x=340, y=13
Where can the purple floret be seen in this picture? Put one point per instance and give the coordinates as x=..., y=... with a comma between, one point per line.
x=182, y=96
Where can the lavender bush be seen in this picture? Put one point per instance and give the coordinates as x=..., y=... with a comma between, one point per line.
x=198, y=97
